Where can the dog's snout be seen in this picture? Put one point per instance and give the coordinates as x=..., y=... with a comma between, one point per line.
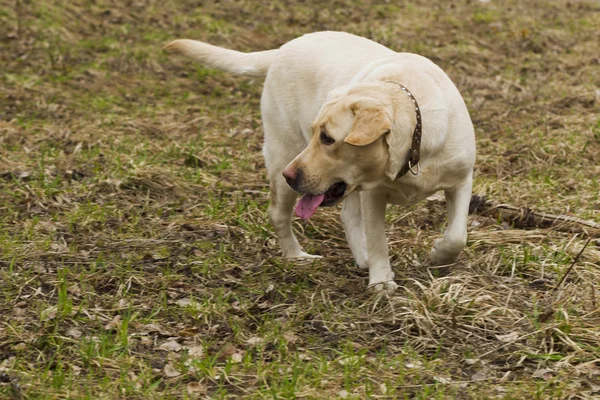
x=290, y=175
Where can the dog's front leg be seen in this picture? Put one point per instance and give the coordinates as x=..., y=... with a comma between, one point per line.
x=373, y=207
x=446, y=250
x=354, y=229
x=280, y=213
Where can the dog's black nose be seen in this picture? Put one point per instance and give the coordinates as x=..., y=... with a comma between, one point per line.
x=292, y=177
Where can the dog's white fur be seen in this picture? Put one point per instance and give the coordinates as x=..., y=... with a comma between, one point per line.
x=313, y=78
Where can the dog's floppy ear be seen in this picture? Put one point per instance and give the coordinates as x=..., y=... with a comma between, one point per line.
x=370, y=123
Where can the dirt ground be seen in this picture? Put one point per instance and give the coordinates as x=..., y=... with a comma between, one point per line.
x=136, y=256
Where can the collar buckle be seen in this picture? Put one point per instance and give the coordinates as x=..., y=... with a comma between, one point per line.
x=410, y=168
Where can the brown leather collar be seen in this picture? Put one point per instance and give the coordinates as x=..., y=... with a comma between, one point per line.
x=414, y=154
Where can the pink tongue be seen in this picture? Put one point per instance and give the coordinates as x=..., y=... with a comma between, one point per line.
x=307, y=205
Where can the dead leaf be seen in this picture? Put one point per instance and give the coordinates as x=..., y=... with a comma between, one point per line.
x=49, y=313
x=482, y=299
x=188, y=332
x=290, y=337
x=349, y=360
x=237, y=357
x=60, y=247
x=438, y=196
x=77, y=148
x=134, y=379
x=75, y=369
x=479, y=376
x=170, y=371
x=185, y=302
x=74, y=289
x=170, y=345
x=441, y=379
x=544, y=374
x=509, y=337
x=196, y=389
x=74, y=333
x=149, y=328
x=254, y=341
x=196, y=352
x=416, y=364
x=24, y=175
x=227, y=351
x=116, y=321
x=19, y=346
x=383, y=388
x=146, y=340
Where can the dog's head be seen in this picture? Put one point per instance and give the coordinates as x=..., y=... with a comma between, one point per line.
x=352, y=147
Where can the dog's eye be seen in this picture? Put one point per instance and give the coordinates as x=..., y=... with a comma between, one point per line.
x=326, y=139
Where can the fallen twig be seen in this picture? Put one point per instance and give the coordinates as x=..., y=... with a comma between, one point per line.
x=524, y=217
x=552, y=218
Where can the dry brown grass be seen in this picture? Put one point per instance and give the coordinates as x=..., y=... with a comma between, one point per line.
x=136, y=260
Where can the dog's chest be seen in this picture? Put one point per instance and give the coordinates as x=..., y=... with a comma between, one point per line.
x=406, y=195
x=407, y=199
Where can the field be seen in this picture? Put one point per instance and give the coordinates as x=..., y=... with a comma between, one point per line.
x=136, y=256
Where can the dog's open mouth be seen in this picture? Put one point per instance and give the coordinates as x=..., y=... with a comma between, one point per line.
x=308, y=204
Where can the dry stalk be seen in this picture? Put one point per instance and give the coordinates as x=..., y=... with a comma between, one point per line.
x=550, y=307
x=572, y=265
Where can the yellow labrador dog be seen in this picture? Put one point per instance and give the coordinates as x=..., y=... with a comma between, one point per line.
x=347, y=119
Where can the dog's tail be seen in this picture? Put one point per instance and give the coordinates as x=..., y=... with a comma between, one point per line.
x=235, y=62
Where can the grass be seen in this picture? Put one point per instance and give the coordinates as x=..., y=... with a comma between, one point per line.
x=136, y=257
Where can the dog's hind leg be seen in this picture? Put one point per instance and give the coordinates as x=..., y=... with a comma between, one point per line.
x=354, y=229
x=446, y=250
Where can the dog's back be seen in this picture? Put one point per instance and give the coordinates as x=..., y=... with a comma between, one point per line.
x=312, y=65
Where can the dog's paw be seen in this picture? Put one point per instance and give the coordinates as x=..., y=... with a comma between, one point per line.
x=388, y=286
x=302, y=256
x=382, y=280
x=444, y=253
x=362, y=263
